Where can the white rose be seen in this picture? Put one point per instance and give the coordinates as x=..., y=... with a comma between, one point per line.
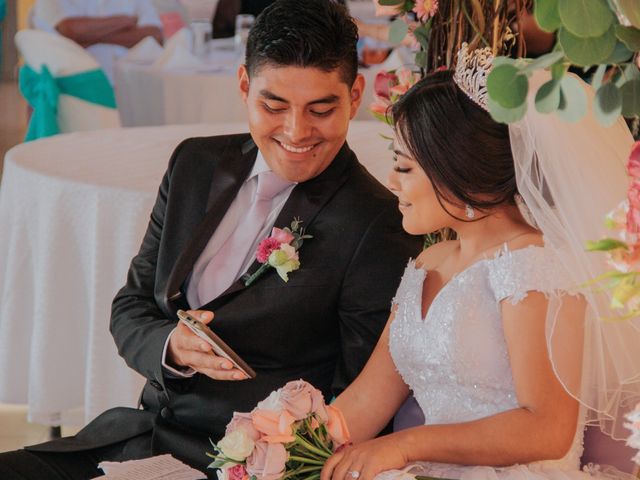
x=237, y=445
x=272, y=403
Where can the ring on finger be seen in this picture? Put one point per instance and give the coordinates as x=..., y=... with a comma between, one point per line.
x=354, y=474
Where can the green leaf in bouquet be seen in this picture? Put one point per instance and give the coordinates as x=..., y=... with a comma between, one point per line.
x=421, y=59
x=596, y=81
x=620, y=54
x=585, y=18
x=587, y=51
x=573, y=100
x=605, y=245
x=507, y=86
x=630, y=36
x=397, y=31
x=608, y=104
x=497, y=61
x=630, y=91
x=422, y=34
x=631, y=10
x=547, y=15
x=505, y=115
x=558, y=70
x=391, y=3
x=544, y=61
x=548, y=97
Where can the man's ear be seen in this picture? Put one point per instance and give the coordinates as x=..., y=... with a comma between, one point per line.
x=356, y=94
x=243, y=82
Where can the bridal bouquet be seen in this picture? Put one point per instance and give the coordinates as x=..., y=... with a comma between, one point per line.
x=288, y=436
x=634, y=426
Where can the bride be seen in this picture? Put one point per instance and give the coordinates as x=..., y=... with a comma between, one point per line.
x=496, y=335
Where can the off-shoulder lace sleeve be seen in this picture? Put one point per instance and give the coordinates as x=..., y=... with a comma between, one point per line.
x=407, y=290
x=514, y=273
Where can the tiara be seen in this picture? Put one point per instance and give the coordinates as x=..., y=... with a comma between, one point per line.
x=471, y=73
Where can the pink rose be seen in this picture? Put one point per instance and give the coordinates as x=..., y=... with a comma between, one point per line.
x=633, y=214
x=275, y=426
x=281, y=236
x=300, y=399
x=383, y=83
x=633, y=165
x=337, y=427
x=242, y=421
x=386, y=10
x=237, y=472
x=265, y=248
x=380, y=106
x=267, y=462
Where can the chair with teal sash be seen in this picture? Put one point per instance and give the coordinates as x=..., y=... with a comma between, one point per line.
x=64, y=85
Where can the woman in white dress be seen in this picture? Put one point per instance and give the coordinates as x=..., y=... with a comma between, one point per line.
x=502, y=349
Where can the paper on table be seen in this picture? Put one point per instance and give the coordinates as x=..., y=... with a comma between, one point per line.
x=147, y=50
x=161, y=467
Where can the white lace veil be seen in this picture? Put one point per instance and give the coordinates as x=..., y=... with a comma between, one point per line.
x=570, y=176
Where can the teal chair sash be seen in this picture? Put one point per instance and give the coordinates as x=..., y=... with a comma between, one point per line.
x=42, y=90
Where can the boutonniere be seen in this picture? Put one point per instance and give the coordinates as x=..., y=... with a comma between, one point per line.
x=279, y=251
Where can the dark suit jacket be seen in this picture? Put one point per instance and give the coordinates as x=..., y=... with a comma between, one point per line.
x=320, y=326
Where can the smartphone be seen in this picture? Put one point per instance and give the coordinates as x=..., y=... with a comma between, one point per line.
x=219, y=347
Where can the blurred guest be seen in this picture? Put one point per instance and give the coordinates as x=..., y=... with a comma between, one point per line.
x=106, y=28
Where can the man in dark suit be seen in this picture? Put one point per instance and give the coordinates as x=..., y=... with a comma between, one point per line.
x=301, y=87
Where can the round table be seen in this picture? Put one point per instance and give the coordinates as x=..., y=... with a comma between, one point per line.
x=73, y=210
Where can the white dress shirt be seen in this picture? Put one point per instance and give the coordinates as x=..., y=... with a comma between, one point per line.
x=241, y=204
x=48, y=13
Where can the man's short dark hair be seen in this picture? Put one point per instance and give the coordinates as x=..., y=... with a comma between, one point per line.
x=304, y=33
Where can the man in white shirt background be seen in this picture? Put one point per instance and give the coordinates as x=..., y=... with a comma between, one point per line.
x=106, y=28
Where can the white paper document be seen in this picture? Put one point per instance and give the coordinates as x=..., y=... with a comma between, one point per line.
x=162, y=467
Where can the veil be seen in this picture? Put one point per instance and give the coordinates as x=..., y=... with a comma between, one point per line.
x=570, y=175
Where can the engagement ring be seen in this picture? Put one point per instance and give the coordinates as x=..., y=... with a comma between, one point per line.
x=354, y=473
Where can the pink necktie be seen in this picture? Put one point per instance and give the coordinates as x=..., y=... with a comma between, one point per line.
x=224, y=267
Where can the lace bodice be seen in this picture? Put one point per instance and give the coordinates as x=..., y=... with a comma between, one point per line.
x=455, y=360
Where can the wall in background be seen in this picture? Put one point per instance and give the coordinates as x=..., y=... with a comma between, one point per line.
x=9, y=53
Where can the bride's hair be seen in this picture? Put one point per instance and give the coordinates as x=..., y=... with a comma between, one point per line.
x=463, y=151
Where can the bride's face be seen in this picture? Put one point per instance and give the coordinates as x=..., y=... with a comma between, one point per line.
x=417, y=200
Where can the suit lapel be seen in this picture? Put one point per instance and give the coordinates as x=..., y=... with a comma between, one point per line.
x=305, y=202
x=227, y=179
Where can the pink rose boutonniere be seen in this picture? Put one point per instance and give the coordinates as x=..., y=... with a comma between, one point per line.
x=279, y=251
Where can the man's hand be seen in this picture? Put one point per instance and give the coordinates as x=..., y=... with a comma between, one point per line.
x=186, y=349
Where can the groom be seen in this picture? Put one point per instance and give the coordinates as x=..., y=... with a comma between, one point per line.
x=218, y=200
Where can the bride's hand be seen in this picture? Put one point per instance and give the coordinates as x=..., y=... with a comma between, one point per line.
x=365, y=460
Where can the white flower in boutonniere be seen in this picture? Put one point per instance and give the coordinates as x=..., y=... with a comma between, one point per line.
x=279, y=251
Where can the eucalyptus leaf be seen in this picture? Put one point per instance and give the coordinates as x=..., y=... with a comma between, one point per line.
x=585, y=18
x=596, y=81
x=421, y=59
x=505, y=115
x=573, y=104
x=587, y=51
x=391, y=3
x=548, y=97
x=630, y=91
x=630, y=36
x=620, y=54
x=629, y=9
x=422, y=35
x=497, y=61
x=397, y=31
x=608, y=104
x=558, y=70
x=547, y=15
x=544, y=61
x=507, y=86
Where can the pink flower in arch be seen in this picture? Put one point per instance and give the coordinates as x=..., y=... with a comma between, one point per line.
x=425, y=9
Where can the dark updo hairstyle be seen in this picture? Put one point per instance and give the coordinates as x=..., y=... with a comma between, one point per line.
x=304, y=33
x=463, y=151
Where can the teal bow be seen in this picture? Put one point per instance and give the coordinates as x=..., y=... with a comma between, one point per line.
x=42, y=90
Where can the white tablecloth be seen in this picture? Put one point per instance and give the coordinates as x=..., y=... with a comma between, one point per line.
x=73, y=210
x=148, y=95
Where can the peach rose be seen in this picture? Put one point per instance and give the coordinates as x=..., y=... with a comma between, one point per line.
x=267, y=462
x=275, y=426
x=281, y=236
x=300, y=399
x=337, y=427
x=242, y=421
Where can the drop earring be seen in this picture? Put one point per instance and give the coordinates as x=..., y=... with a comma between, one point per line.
x=469, y=211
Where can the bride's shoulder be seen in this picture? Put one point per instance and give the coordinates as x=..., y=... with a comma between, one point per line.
x=433, y=255
x=529, y=239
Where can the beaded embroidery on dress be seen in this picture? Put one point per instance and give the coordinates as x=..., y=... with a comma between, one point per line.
x=455, y=359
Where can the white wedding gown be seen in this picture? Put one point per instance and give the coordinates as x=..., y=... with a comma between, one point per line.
x=456, y=362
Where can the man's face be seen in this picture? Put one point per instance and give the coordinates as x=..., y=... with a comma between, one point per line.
x=299, y=116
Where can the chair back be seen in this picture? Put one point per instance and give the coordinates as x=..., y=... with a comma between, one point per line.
x=64, y=57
